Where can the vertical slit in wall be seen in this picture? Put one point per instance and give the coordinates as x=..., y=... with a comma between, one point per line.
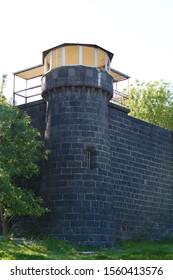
x=90, y=157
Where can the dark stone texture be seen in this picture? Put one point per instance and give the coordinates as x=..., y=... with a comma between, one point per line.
x=77, y=76
x=142, y=164
x=77, y=122
x=127, y=192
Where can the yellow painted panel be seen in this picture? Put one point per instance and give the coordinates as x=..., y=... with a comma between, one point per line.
x=54, y=59
x=59, y=57
x=88, y=56
x=101, y=59
x=71, y=55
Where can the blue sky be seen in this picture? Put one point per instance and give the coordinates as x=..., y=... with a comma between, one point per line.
x=138, y=32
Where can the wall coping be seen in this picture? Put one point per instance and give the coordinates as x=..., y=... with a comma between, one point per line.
x=119, y=108
x=31, y=104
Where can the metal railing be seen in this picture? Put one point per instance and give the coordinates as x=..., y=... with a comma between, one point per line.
x=120, y=98
x=26, y=96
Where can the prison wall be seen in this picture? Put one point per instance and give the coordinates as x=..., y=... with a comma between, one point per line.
x=142, y=167
x=128, y=195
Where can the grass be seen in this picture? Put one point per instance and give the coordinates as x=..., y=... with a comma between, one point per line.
x=53, y=249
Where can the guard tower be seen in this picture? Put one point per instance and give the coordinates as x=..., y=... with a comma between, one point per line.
x=27, y=82
x=77, y=180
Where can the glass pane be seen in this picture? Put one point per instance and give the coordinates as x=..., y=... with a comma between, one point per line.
x=47, y=61
x=108, y=64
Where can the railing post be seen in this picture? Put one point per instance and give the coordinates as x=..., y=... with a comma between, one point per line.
x=13, y=90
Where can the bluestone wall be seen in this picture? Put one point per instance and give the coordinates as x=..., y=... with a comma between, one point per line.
x=128, y=192
x=142, y=166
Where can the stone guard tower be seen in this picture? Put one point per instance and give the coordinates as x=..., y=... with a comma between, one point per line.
x=109, y=175
x=77, y=84
x=77, y=181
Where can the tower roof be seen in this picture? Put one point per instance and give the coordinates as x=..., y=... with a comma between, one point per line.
x=118, y=76
x=31, y=73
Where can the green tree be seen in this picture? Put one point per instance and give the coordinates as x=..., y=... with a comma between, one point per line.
x=2, y=86
x=152, y=102
x=20, y=151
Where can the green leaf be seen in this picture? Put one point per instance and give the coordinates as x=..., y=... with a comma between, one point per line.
x=21, y=148
x=152, y=102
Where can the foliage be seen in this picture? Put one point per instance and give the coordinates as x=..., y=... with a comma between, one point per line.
x=20, y=151
x=2, y=86
x=18, y=201
x=152, y=102
x=53, y=249
x=20, y=147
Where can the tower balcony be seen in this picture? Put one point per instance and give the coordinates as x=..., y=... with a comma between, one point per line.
x=27, y=82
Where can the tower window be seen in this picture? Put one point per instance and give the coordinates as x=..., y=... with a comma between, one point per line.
x=91, y=158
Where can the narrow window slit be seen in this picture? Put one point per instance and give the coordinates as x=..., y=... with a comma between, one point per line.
x=90, y=157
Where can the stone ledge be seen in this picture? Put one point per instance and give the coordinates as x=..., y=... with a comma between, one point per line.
x=119, y=108
x=31, y=104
